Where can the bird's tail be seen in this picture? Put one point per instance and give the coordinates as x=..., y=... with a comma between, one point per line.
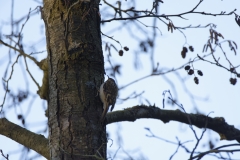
x=104, y=113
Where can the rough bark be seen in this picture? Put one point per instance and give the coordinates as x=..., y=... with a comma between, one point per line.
x=76, y=70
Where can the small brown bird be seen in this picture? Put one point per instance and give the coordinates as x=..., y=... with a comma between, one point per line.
x=108, y=95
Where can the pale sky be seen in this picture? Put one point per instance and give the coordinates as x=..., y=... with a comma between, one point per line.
x=222, y=98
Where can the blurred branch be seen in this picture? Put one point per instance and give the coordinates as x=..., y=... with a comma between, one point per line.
x=199, y=155
x=217, y=124
x=36, y=142
x=179, y=143
x=217, y=150
x=131, y=96
x=21, y=53
x=157, y=72
x=6, y=81
x=152, y=14
x=6, y=157
x=111, y=37
x=190, y=122
x=164, y=16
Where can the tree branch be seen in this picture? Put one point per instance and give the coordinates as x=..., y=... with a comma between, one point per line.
x=20, y=51
x=167, y=16
x=40, y=144
x=36, y=142
x=217, y=124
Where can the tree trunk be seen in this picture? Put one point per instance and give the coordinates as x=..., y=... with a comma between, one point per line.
x=76, y=70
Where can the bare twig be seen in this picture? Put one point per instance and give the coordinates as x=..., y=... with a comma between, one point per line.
x=4, y=156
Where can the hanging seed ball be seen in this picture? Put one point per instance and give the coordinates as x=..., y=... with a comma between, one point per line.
x=200, y=73
x=190, y=72
x=20, y=116
x=184, y=52
x=185, y=49
x=126, y=48
x=233, y=81
x=191, y=48
x=187, y=67
x=196, y=80
x=120, y=52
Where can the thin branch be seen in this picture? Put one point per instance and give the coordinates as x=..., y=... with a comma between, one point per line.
x=30, y=73
x=112, y=39
x=6, y=81
x=217, y=150
x=158, y=73
x=20, y=52
x=167, y=16
x=4, y=156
